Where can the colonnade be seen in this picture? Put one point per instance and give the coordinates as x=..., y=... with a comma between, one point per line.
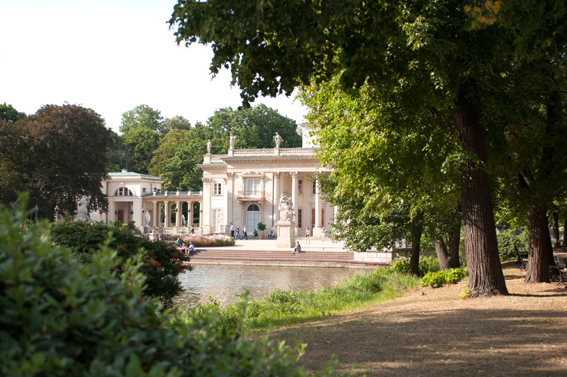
x=156, y=217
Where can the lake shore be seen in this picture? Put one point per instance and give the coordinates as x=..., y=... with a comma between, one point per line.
x=431, y=332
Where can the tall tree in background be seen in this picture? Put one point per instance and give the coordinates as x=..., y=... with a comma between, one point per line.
x=273, y=47
x=254, y=127
x=58, y=155
x=9, y=114
x=176, y=123
x=142, y=116
x=140, y=145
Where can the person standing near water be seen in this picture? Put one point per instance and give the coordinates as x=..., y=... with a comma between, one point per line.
x=237, y=233
x=307, y=235
x=323, y=235
x=245, y=231
x=232, y=230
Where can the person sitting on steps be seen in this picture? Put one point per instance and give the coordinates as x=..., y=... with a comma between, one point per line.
x=297, y=248
x=191, y=248
x=271, y=235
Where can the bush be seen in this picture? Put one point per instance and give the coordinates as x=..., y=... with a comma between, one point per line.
x=439, y=278
x=162, y=263
x=63, y=317
x=507, y=242
x=426, y=264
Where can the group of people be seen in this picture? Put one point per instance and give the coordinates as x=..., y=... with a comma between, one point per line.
x=244, y=232
x=187, y=249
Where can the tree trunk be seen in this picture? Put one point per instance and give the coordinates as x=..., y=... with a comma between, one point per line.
x=485, y=270
x=538, y=241
x=442, y=254
x=565, y=231
x=454, y=243
x=550, y=257
x=416, y=230
x=555, y=228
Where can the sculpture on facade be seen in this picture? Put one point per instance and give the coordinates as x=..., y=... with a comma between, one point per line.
x=278, y=140
x=232, y=140
x=286, y=208
x=209, y=144
x=147, y=218
x=82, y=208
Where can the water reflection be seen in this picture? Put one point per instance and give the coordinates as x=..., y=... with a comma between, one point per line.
x=223, y=282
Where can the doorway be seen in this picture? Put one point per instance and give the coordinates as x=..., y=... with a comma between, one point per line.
x=252, y=217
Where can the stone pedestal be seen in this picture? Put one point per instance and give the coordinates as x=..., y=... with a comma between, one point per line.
x=286, y=234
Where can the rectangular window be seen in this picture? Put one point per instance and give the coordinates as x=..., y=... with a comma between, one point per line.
x=299, y=217
x=314, y=187
x=253, y=187
x=300, y=186
x=217, y=188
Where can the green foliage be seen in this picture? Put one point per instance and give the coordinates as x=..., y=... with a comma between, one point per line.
x=439, y=278
x=142, y=116
x=286, y=307
x=507, y=243
x=9, y=114
x=140, y=145
x=466, y=293
x=161, y=263
x=61, y=317
x=57, y=155
x=426, y=265
x=261, y=226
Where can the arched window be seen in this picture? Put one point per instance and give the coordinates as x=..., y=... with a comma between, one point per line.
x=123, y=191
x=252, y=217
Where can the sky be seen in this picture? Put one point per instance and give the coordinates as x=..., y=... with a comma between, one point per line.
x=111, y=56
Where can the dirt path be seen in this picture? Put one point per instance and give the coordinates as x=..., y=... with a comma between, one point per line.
x=431, y=332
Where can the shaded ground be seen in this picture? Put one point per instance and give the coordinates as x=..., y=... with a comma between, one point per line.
x=431, y=332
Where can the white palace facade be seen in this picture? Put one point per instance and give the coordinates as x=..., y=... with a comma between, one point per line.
x=241, y=187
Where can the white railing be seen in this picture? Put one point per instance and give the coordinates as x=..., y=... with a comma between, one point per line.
x=253, y=152
x=297, y=151
x=250, y=194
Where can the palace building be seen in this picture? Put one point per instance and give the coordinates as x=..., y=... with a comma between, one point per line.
x=242, y=187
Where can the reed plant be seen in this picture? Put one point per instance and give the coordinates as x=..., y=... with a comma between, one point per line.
x=284, y=308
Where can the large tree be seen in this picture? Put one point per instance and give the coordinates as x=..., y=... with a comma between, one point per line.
x=57, y=154
x=273, y=47
x=142, y=116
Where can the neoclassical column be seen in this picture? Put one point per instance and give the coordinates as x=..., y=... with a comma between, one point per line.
x=276, y=196
x=178, y=214
x=189, y=214
x=167, y=214
x=200, y=214
x=317, y=229
x=155, y=215
x=206, y=221
x=294, y=194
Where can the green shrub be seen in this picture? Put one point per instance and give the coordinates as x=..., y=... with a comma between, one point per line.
x=162, y=263
x=62, y=317
x=507, y=242
x=426, y=264
x=437, y=279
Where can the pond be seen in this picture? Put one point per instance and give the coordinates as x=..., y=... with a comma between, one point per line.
x=224, y=282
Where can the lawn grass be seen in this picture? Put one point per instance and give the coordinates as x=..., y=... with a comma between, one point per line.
x=284, y=308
